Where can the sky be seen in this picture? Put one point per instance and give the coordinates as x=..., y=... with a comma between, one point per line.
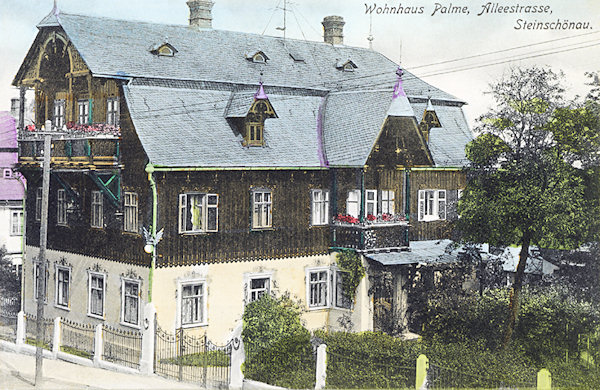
x=426, y=37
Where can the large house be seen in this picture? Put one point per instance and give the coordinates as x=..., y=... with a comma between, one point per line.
x=256, y=158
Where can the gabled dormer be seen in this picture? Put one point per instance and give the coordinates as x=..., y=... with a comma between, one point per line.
x=254, y=123
x=429, y=121
x=346, y=66
x=164, y=49
x=258, y=57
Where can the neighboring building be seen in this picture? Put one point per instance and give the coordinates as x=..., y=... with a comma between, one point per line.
x=11, y=192
x=259, y=157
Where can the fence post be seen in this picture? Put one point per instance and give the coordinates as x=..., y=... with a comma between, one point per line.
x=98, y=345
x=238, y=357
x=422, y=367
x=544, y=380
x=321, y=371
x=20, y=328
x=56, y=337
x=148, y=332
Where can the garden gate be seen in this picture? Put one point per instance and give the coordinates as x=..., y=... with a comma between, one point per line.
x=190, y=358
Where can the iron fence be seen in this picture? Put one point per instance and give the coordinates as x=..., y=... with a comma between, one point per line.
x=77, y=339
x=121, y=346
x=439, y=377
x=8, y=325
x=31, y=331
x=344, y=371
x=189, y=358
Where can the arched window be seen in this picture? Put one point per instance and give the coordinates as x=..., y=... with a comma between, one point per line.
x=255, y=122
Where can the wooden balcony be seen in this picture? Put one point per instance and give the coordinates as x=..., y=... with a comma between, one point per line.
x=370, y=237
x=91, y=152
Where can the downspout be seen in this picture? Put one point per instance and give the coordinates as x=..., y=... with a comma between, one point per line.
x=150, y=171
x=362, y=206
x=407, y=205
x=23, y=238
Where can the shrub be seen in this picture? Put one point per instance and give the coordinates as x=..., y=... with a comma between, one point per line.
x=278, y=348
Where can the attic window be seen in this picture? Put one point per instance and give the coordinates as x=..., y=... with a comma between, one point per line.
x=347, y=66
x=296, y=57
x=255, y=122
x=258, y=57
x=164, y=49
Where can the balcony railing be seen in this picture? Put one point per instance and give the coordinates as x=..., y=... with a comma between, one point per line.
x=370, y=236
x=89, y=147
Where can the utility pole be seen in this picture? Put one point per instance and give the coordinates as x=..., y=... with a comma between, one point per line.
x=41, y=281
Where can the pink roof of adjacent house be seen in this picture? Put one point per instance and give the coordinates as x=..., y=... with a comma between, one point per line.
x=10, y=188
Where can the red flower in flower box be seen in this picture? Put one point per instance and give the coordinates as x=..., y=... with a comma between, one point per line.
x=371, y=217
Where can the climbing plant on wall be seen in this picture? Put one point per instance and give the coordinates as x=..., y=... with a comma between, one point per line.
x=349, y=261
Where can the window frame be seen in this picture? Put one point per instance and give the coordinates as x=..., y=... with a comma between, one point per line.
x=57, y=287
x=85, y=105
x=429, y=205
x=184, y=200
x=97, y=210
x=309, y=283
x=61, y=207
x=371, y=202
x=203, y=304
x=338, y=290
x=257, y=276
x=131, y=212
x=387, y=202
x=7, y=173
x=319, y=207
x=353, y=200
x=124, y=296
x=264, y=211
x=92, y=274
x=58, y=118
x=113, y=113
x=18, y=224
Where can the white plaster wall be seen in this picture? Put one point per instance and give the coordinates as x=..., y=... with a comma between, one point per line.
x=10, y=242
x=226, y=293
x=78, y=295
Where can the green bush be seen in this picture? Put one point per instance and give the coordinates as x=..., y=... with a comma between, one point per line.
x=278, y=348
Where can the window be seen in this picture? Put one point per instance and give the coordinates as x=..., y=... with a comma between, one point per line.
x=387, y=202
x=16, y=222
x=7, y=174
x=62, y=286
x=59, y=114
x=192, y=304
x=36, y=277
x=130, y=297
x=432, y=205
x=320, y=207
x=130, y=223
x=325, y=288
x=348, y=67
x=96, y=295
x=112, y=111
x=261, y=209
x=353, y=203
x=317, y=287
x=97, y=219
x=255, y=121
x=38, y=204
x=258, y=287
x=61, y=208
x=84, y=112
x=371, y=202
x=198, y=213
x=341, y=299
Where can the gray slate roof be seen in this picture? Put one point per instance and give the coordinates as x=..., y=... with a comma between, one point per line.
x=421, y=252
x=179, y=104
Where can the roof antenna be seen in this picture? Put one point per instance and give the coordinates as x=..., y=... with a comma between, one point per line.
x=284, y=19
x=370, y=37
x=55, y=8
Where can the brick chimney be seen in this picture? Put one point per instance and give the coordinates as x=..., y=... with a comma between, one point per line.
x=200, y=13
x=333, y=27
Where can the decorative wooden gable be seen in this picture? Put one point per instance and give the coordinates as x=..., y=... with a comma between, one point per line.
x=164, y=49
x=429, y=121
x=260, y=110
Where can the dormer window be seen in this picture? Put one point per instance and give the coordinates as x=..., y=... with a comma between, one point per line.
x=255, y=122
x=163, y=49
x=258, y=57
x=347, y=66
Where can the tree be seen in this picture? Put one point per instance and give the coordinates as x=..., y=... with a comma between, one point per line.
x=10, y=284
x=523, y=184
